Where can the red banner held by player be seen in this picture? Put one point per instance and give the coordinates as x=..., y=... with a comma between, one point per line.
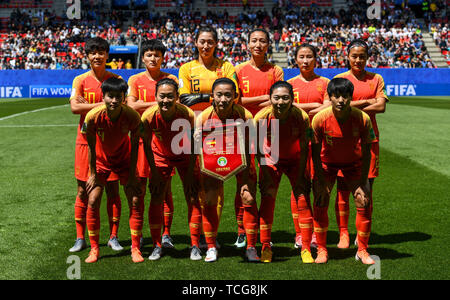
x=223, y=151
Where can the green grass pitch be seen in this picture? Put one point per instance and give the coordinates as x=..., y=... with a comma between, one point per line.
x=410, y=231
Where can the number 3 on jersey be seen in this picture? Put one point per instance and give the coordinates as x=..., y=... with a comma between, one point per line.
x=246, y=84
x=296, y=97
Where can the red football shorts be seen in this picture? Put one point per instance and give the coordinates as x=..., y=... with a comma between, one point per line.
x=143, y=168
x=290, y=168
x=374, y=161
x=120, y=172
x=252, y=172
x=167, y=166
x=350, y=171
x=82, y=164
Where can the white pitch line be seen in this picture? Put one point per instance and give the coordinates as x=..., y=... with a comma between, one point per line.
x=38, y=125
x=32, y=111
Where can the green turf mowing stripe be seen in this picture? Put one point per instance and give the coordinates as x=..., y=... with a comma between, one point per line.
x=408, y=230
x=422, y=134
x=14, y=106
x=439, y=102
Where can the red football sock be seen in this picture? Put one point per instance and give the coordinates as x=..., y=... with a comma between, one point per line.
x=80, y=216
x=194, y=220
x=114, y=209
x=363, y=227
x=239, y=211
x=342, y=210
x=305, y=221
x=294, y=211
x=136, y=223
x=321, y=225
x=250, y=220
x=155, y=219
x=266, y=219
x=210, y=224
x=93, y=225
x=168, y=213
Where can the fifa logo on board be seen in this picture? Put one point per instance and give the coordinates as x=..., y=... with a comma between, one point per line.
x=74, y=10
x=374, y=10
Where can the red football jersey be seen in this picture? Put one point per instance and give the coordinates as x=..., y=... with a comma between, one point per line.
x=341, y=142
x=314, y=91
x=113, y=142
x=256, y=82
x=162, y=132
x=90, y=88
x=291, y=131
x=372, y=86
x=143, y=88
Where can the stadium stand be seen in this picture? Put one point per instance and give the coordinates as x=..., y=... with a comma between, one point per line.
x=441, y=37
x=41, y=38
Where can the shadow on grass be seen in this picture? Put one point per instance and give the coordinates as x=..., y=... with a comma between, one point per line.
x=282, y=252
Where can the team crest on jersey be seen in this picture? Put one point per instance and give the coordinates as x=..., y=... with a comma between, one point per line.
x=157, y=133
x=219, y=73
x=328, y=138
x=269, y=77
x=101, y=134
x=319, y=88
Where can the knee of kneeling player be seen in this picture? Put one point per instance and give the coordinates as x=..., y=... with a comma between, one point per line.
x=361, y=201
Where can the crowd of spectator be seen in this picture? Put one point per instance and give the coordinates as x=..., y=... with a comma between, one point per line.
x=441, y=37
x=395, y=39
x=44, y=40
